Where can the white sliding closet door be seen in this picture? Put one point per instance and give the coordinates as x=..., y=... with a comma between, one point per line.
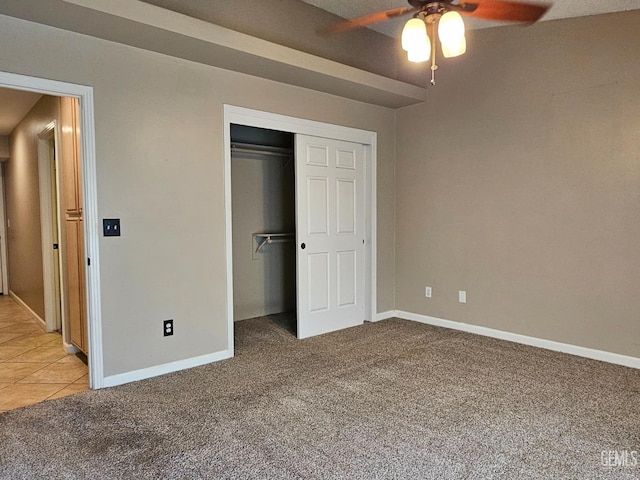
x=330, y=223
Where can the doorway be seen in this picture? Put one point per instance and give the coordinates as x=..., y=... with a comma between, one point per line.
x=83, y=95
x=50, y=226
x=35, y=331
x=337, y=144
x=43, y=212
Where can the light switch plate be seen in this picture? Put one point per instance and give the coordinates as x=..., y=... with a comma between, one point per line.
x=111, y=227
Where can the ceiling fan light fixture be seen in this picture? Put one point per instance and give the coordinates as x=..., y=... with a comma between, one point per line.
x=414, y=34
x=420, y=53
x=419, y=37
x=451, y=34
x=453, y=50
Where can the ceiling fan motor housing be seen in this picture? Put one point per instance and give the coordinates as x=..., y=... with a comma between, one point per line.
x=427, y=8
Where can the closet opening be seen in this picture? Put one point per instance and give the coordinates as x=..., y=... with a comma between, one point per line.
x=263, y=209
x=312, y=178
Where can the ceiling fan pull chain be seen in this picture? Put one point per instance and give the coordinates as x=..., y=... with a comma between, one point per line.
x=434, y=67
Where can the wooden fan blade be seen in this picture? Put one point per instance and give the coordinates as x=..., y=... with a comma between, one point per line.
x=365, y=20
x=507, y=11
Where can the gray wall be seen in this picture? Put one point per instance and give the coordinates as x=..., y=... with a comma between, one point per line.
x=22, y=194
x=4, y=147
x=519, y=182
x=159, y=146
x=296, y=24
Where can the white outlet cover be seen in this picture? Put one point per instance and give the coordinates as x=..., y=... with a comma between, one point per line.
x=462, y=296
x=427, y=292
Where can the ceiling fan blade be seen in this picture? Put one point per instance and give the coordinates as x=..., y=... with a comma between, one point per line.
x=365, y=20
x=506, y=11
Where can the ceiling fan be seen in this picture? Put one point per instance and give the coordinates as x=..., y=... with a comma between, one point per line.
x=444, y=16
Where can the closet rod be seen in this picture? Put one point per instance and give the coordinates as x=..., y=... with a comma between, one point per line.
x=270, y=238
x=260, y=149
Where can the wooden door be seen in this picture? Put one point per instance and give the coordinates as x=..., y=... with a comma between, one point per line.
x=71, y=176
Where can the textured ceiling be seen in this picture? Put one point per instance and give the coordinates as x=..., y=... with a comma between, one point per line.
x=560, y=9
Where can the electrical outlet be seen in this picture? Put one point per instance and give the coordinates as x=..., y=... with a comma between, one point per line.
x=427, y=292
x=462, y=296
x=168, y=327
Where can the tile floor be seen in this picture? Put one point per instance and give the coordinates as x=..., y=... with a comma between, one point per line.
x=33, y=364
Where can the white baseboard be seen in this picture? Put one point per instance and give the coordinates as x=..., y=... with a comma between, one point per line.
x=144, y=373
x=28, y=309
x=601, y=355
x=69, y=348
x=385, y=315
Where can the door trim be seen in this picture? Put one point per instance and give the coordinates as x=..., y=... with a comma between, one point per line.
x=273, y=121
x=90, y=195
x=50, y=273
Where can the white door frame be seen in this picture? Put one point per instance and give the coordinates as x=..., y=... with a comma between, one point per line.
x=50, y=261
x=90, y=205
x=272, y=121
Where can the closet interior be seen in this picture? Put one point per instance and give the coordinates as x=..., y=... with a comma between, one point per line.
x=263, y=219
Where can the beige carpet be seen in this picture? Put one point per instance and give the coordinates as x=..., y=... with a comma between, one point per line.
x=394, y=399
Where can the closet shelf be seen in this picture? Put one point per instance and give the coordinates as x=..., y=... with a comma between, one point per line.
x=237, y=147
x=263, y=239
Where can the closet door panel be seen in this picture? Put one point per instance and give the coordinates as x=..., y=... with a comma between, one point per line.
x=78, y=155
x=71, y=198
x=82, y=287
x=329, y=235
x=74, y=283
x=68, y=156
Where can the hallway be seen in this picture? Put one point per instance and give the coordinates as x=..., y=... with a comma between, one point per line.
x=33, y=364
